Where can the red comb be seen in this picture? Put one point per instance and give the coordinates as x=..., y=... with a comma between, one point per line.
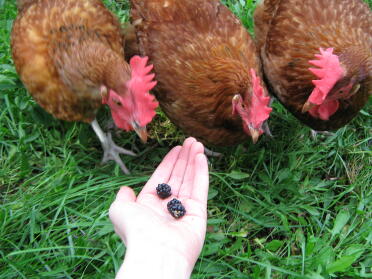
x=260, y=110
x=140, y=84
x=329, y=72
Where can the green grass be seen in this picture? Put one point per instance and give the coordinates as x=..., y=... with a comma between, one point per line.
x=288, y=207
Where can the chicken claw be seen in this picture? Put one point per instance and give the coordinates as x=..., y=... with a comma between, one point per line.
x=111, y=150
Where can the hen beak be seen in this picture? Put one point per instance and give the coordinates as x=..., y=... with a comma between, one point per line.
x=255, y=134
x=141, y=132
x=307, y=106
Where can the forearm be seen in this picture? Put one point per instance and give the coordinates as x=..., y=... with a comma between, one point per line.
x=160, y=264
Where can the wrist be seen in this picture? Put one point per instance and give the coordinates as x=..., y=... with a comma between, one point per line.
x=156, y=263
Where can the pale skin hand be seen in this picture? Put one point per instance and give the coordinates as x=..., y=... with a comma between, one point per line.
x=159, y=246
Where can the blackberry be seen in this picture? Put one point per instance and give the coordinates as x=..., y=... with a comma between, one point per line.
x=176, y=209
x=173, y=202
x=164, y=191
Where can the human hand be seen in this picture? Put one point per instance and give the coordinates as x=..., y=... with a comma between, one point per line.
x=148, y=230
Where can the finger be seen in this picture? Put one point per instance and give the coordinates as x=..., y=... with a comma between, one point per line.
x=162, y=173
x=201, y=180
x=178, y=173
x=125, y=195
x=196, y=214
x=188, y=180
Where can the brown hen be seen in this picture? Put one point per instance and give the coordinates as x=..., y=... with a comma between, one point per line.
x=69, y=55
x=207, y=68
x=317, y=57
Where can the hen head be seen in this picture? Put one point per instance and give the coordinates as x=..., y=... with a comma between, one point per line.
x=253, y=109
x=333, y=85
x=135, y=107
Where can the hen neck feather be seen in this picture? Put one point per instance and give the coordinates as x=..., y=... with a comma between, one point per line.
x=357, y=62
x=85, y=64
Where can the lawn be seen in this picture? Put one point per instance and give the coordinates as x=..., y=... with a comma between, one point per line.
x=287, y=207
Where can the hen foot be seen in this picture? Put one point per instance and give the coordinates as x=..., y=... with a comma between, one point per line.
x=110, y=149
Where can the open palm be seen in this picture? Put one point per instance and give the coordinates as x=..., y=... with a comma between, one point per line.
x=145, y=222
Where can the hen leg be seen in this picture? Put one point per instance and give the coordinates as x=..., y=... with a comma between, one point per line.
x=110, y=149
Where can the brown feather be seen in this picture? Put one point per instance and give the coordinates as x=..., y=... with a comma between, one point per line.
x=202, y=56
x=21, y=4
x=130, y=41
x=290, y=33
x=64, y=51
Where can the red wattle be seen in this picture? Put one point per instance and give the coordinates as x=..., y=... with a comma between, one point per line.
x=325, y=110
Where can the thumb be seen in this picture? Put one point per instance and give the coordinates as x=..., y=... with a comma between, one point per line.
x=125, y=194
